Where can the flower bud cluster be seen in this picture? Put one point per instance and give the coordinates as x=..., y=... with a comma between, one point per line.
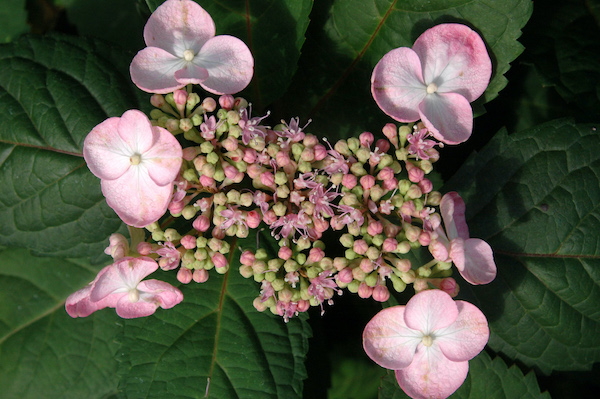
x=240, y=174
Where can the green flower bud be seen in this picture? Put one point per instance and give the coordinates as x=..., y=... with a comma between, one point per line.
x=403, y=247
x=378, y=240
x=401, y=154
x=373, y=253
x=353, y=286
x=172, y=235
x=302, y=244
x=319, y=244
x=222, y=270
x=403, y=131
x=290, y=265
x=372, y=279
x=192, y=100
x=434, y=198
x=233, y=117
x=270, y=276
x=313, y=272
x=350, y=254
x=386, y=160
x=304, y=167
x=201, y=242
x=408, y=277
x=222, y=114
x=363, y=154
x=357, y=169
x=342, y=147
x=233, y=196
x=201, y=254
x=376, y=193
x=396, y=167
x=222, y=128
x=413, y=192
x=353, y=144
x=188, y=212
x=196, y=120
x=398, y=284
x=219, y=173
x=185, y=124
x=156, y=114
x=261, y=254
x=280, y=209
x=403, y=186
x=153, y=227
x=278, y=284
x=190, y=175
x=235, y=131
x=212, y=158
x=207, y=147
x=246, y=271
x=426, y=166
x=274, y=264
x=283, y=192
x=246, y=199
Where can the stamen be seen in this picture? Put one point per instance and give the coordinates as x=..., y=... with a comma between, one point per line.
x=427, y=340
x=188, y=55
x=135, y=159
x=432, y=88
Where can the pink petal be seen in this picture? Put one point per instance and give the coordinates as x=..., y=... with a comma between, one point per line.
x=431, y=375
x=388, y=341
x=429, y=311
x=136, y=131
x=163, y=293
x=177, y=26
x=79, y=304
x=191, y=73
x=136, y=199
x=229, y=63
x=448, y=116
x=467, y=336
x=397, y=84
x=122, y=276
x=130, y=310
x=454, y=57
x=474, y=259
x=163, y=160
x=452, y=208
x=105, y=152
x=439, y=250
x=153, y=70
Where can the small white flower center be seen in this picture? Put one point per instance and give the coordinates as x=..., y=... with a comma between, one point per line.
x=135, y=159
x=427, y=340
x=188, y=55
x=134, y=295
x=432, y=88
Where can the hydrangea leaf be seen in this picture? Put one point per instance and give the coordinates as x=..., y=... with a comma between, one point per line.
x=487, y=378
x=53, y=91
x=43, y=352
x=13, y=20
x=349, y=37
x=535, y=197
x=274, y=30
x=215, y=342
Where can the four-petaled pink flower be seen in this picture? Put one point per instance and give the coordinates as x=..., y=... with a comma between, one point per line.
x=120, y=286
x=182, y=49
x=428, y=342
x=447, y=68
x=137, y=163
x=473, y=257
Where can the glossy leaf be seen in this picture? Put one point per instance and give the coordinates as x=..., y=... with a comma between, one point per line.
x=53, y=91
x=274, y=30
x=43, y=352
x=535, y=197
x=215, y=342
x=487, y=378
x=13, y=20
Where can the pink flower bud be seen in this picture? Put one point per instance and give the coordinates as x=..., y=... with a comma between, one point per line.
x=364, y=291
x=308, y=155
x=390, y=245
x=391, y=132
x=385, y=174
x=184, y=275
x=253, y=219
x=321, y=225
x=381, y=293
x=202, y=223
x=383, y=145
x=449, y=286
x=209, y=104
x=374, y=228
x=175, y=207
x=345, y=275
x=320, y=152
x=391, y=230
x=157, y=100
x=360, y=247
x=390, y=184
x=408, y=208
x=426, y=186
x=254, y=171
x=367, y=181
x=403, y=265
x=349, y=181
x=269, y=217
x=230, y=144
x=230, y=172
x=415, y=174
x=226, y=101
x=180, y=97
x=207, y=181
x=188, y=242
x=200, y=275
x=247, y=258
x=285, y=253
x=424, y=239
x=366, y=139
x=250, y=155
x=218, y=233
x=219, y=260
x=366, y=265
x=303, y=305
x=310, y=140
x=315, y=255
x=282, y=158
x=267, y=179
x=118, y=246
x=144, y=248
x=190, y=153
x=420, y=284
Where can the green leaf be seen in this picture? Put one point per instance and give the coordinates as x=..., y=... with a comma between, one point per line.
x=43, y=352
x=273, y=30
x=487, y=378
x=566, y=51
x=535, y=197
x=53, y=91
x=13, y=20
x=348, y=37
x=216, y=341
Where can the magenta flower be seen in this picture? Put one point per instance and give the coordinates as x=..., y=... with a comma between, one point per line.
x=137, y=163
x=473, y=257
x=120, y=286
x=182, y=49
x=447, y=68
x=428, y=342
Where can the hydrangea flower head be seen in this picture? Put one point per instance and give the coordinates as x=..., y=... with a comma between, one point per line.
x=137, y=163
x=120, y=286
x=447, y=68
x=182, y=48
x=428, y=342
x=473, y=257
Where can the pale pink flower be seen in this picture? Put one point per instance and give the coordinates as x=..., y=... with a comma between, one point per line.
x=473, y=257
x=137, y=163
x=182, y=49
x=447, y=68
x=169, y=256
x=428, y=342
x=118, y=246
x=120, y=286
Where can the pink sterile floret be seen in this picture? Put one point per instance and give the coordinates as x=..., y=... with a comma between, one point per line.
x=473, y=257
x=137, y=163
x=182, y=49
x=447, y=68
x=428, y=342
x=120, y=286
